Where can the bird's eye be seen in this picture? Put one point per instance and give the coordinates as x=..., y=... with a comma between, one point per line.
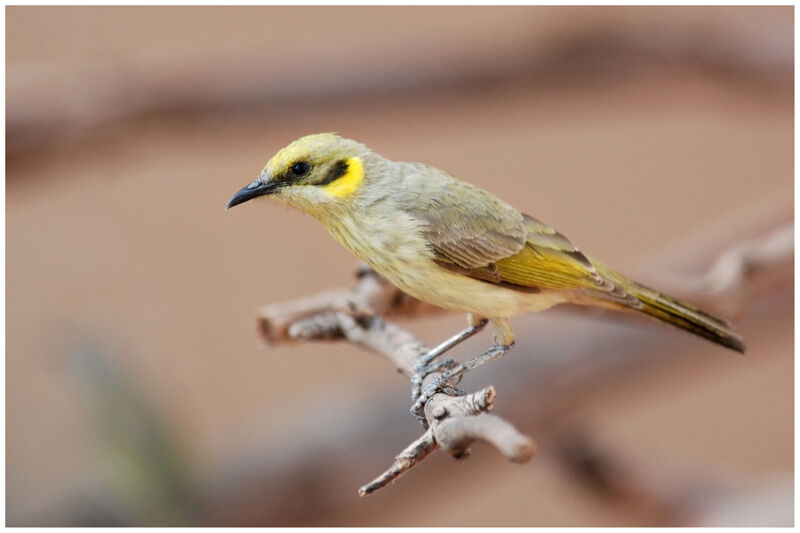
x=301, y=168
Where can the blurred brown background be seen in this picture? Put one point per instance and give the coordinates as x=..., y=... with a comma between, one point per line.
x=137, y=392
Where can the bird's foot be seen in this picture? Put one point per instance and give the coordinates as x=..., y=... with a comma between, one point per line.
x=440, y=384
x=454, y=370
x=421, y=371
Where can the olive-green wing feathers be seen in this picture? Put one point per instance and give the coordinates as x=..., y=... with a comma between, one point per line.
x=550, y=261
x=479, y=235
x=466, y=226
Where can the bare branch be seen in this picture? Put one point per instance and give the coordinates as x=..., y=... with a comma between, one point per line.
x=453, y=421
x=312, y=317
x=731, y=267
x=415, y=452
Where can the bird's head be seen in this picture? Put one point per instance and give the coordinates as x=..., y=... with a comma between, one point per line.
x=315, y=173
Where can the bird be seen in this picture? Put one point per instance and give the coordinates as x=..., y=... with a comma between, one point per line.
x=456, y=246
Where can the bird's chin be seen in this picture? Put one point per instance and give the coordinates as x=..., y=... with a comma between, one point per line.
x=309, y=200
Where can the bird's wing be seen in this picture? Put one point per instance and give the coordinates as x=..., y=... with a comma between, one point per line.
x=550, y=261
x=487, y=246
x=476, y=234
x=466, y=227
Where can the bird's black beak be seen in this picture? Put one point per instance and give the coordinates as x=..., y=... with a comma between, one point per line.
x=255, y=189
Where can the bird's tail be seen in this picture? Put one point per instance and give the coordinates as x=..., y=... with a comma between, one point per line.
x=679, y=314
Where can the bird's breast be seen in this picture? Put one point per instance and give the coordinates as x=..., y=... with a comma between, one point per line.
x=391, y=244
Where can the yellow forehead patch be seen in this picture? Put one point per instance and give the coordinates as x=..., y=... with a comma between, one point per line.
x=350, y=182
x=302, y=148
x=285, y=157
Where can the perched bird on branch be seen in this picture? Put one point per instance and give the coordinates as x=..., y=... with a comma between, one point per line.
x=454, y=245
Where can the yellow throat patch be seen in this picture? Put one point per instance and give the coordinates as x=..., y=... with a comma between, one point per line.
x=349, y=182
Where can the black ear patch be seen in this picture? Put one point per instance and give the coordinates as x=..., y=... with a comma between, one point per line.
x=338, y=170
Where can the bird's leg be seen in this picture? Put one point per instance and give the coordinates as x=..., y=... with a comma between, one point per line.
x=503, y=338
x=476, y=325
x=424, y=365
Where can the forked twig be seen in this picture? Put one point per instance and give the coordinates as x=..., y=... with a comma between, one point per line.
x=453, y=422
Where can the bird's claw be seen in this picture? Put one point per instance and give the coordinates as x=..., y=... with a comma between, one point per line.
x=440, y=384
x=421, y=371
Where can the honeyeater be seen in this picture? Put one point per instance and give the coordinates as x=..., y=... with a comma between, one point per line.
x=454, y=245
